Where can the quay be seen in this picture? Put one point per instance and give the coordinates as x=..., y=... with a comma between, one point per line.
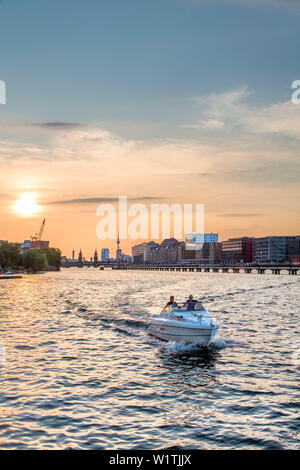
x=264, y=269
x=12, y=276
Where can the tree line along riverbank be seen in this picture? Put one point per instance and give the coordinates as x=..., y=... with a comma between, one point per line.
x=31, y=260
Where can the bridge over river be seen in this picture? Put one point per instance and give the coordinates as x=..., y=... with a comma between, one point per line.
x=261, y=269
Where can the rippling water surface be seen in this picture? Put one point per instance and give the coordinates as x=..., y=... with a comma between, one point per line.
x=79, y=371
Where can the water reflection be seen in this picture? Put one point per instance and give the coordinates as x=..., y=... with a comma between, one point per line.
x=80, y=370
x=196, y=368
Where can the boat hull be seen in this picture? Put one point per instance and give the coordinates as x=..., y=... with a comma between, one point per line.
x=201, y=336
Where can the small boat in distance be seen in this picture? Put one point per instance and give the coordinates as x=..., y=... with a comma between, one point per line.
x=189, y=322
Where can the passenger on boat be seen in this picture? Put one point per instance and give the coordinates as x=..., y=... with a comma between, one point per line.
x=190, y=303
x=171, y=302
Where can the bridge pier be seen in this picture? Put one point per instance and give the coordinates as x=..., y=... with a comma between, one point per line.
x=276, y=270
x=293, y=272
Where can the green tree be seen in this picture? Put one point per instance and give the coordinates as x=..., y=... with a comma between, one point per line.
x=10, y=256
x=53, y=256
x=34, y=260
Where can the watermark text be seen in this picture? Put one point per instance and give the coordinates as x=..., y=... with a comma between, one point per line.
x=137, y=221
x=2, y=92
x=296, y=94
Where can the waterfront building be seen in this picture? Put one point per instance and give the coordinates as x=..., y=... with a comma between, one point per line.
x=141, y=252
x=293, y=248
x=34, y=244
x=215, y=252
x=166, y=252
x=237, y=250
x=210, y=253
x=208, y=237
x=270, y=249
x=105, y=255
x=126, y=259
x=211, y=238
x=26, y=245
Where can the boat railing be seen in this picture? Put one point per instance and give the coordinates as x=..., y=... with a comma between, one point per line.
x=177, y=313
x=195, y=306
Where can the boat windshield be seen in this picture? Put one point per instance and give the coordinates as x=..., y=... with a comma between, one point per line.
x=184, y=307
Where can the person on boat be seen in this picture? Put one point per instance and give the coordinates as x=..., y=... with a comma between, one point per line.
x=171, y=303
x=190, y=303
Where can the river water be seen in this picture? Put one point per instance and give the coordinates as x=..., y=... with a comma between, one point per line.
x=78, y=370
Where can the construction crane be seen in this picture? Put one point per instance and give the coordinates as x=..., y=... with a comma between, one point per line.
x=37, y=237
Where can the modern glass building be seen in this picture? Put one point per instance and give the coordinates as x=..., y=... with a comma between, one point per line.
x=104, y=255
x=270, y=249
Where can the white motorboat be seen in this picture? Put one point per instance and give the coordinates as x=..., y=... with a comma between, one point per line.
x=188, y=322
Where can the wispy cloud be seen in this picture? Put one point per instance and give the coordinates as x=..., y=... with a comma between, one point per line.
x=231, y=111
x=100, y=200
x=57, y=125
x=284, y=3
x=206, y=124
x=241, y=215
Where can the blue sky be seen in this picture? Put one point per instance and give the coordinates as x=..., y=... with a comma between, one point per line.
x=122, y=62
x=182, y=100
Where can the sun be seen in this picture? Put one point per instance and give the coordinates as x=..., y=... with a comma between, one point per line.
x=27, y=205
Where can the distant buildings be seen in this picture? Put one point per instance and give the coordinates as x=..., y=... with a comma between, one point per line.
x=237, y=250
x=141, y=252
x=210, y=253
x=96, y=263
x=234, y=251
x=94, y=260
x=271, y=249
x=155, y=253
x=125, y=259
x=166, y=252
x=105, y=255
x=211, y=238
x=39, y=244
x=80, y=259
x=27, y=244
x=119, y=251
x=276, y=249
x=293, y=249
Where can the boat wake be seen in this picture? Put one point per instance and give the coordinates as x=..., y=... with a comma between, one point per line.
x=223, y=343
x=180, y=347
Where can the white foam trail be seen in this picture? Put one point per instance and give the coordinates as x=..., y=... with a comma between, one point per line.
x=223, y=342
x=174, y=347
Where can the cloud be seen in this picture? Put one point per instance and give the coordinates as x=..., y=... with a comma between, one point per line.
x=241, y=215
x=208, y=124
x=57, y=125
x=231, y=111
x=228, y=163
x=100, y=200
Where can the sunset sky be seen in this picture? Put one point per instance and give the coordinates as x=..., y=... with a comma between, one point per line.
x=164, y=101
